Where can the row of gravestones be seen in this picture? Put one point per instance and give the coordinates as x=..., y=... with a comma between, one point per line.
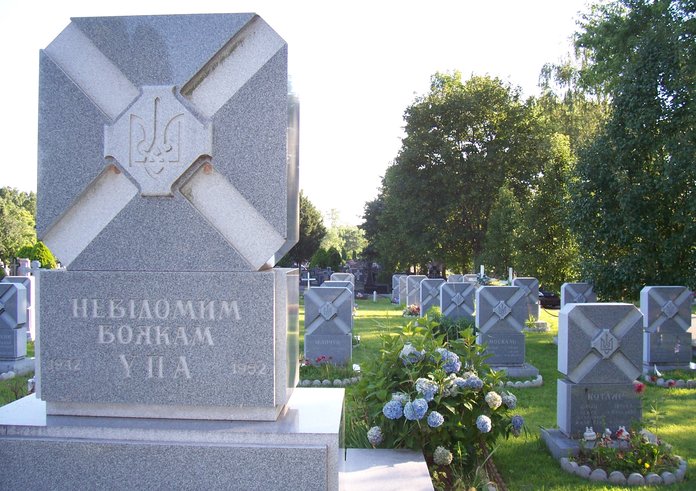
x=17, y=318
x=329, y=320
x=499, y=312
x=666, y=310
x=602, y=349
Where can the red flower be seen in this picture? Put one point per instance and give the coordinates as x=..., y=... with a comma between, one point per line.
x=639, y=387
x=671, y=383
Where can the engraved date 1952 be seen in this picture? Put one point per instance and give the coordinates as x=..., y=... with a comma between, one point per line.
x=249, y=369
x=62, y=365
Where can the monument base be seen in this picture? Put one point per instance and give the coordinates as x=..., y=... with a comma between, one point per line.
x=519, y=371
x=19, y=367
x=559, y=445
x=298, y=451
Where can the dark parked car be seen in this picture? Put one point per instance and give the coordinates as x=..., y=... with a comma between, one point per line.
x=548, y=299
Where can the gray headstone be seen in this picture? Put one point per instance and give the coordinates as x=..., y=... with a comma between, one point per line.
x=430, y=294
x=24, y=267
x=600, y=342
x=665, y=306
x=28, y=283
x=329, y=324
x=413, y=289
x=577, y=293
x=339, y=284
x=501, y=312
x=403, y=289
x=13, y=318
x=457, y=300
x=145, y=121
x=530, y=286
x=343, y=277
x=471, y=278
x=455, y=278
x=395, y=287
x=599, y=352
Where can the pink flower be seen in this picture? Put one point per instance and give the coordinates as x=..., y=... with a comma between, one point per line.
x=639, y=387
x=671, y=383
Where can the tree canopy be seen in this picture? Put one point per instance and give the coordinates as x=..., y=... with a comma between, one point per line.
x=312, y=231
x=633, y=189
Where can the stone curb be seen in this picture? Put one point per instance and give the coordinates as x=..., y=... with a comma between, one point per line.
x=671, y=383
x=345, y=382
x=618, y=478
x=524, y=384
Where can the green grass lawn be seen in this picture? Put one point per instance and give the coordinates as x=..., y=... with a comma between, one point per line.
x=524, y=463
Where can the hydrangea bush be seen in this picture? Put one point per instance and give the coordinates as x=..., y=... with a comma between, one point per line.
x=424, y=393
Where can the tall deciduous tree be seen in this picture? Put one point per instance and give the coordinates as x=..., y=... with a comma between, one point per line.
x=312, y=231
x=17, y=211
x=464, y=139
x=500, y=246
x=633, y=195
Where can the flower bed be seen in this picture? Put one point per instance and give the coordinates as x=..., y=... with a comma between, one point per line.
x=670, y=382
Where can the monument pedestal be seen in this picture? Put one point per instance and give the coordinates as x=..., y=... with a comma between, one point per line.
x=298, y=451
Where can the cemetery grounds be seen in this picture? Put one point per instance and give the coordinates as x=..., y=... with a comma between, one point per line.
x=524, y=462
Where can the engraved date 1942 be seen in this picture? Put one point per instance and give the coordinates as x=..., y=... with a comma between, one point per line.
x=62, y=365
x=249, y=369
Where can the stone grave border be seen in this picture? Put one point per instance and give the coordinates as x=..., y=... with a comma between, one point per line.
x=618, y=478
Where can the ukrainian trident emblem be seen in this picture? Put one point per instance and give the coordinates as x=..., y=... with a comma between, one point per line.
x=156, y=140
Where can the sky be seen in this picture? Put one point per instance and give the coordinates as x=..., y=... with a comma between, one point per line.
x=356, y=66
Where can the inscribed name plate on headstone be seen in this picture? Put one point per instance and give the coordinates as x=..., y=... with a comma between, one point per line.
x=403, y=289
x=413, y=289
x=185, y=344
x=530, y=286
x=577, y=293
x=500, y=315
x=457, y=300
x=343, y=277
x=13, y=318
x=600, y=342
x=666, y=319
x=147, y=140
x=430, y=294
x=329, y=324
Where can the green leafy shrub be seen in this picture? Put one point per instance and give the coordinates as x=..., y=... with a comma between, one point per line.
x=38, y=252
x=422, y=392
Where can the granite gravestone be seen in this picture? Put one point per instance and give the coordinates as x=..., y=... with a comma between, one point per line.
x=168, y=188
x=429, y=294
x=28, y=283
x=501, y=312
x=395, y=287
x=666, y=322
x=530, y=287
x=457, y=300
x=599, y=352
x=403, y=290
x=13, y=319
x=577, y=293
x=471, y=278
x=343, y=277
x=339, y=284
x=329, y=324
x=413, y=289
x=455, y=278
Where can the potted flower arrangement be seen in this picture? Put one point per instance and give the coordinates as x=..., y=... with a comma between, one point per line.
x=425, y=393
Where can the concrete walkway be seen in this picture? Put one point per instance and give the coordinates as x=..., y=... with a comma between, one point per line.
x=385, y=470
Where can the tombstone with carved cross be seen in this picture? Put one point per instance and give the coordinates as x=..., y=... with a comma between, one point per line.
x=530, y=287
x=599, y=352
x=666, y=322
x=457, y=300
x=501, y=312
x=413, y=282
x=13, y=318
x=403, y=289
x=168, y=188
x=329, y=325
x=577, y=293
x=395, y=287
x=429, y=294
